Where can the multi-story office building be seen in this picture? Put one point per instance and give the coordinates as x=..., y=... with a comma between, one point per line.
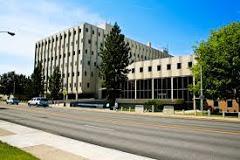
x=76, y=52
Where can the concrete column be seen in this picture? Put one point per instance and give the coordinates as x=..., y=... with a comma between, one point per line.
x=152, y=88
x=172, y=88
x=135, y=91
x=194, y=97
x=76, y=96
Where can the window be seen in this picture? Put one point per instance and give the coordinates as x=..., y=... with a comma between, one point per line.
x=91, y=74
x=92, y=53
x=189, y=64
x=72, y=73
x=78, y=73
x=86, y=29
x=68, y=74
x=95, y=63
x=86, y=51
x=141, y=69
x=89, y=41
x=229, y=103
x=99, y=34
x=149, y=69
x=92, y=31
x=89, y=63
x=73, y=52
x=78, y=51
x=88, y=85
x=80, y=84
x=158, y=67
x=179, y=65
x=133, y=70
x=85, y=73
x=168, y=66
x=79, y=30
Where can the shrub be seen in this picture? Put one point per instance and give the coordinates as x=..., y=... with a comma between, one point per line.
x=159, y=104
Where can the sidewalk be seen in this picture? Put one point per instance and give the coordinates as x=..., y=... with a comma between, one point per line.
x=48, y=146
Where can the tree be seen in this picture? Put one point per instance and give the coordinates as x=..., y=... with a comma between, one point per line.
x=37, y=81
x=115, y=58
x=55, y=83
x=7, y=82
x=219, y=57
x=17, y=84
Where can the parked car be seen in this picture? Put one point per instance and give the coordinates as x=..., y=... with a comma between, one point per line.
x=12, y=101
x=38, y=101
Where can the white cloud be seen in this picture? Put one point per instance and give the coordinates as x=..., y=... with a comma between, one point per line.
x=34, y=20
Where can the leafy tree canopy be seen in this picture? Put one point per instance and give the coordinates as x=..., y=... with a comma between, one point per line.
x=219, y=57
x=55, y=83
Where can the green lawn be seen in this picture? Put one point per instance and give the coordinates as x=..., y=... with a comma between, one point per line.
x=8, y=152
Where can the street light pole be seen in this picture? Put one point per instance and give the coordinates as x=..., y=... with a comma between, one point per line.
x=8, y=32
x=201, y=90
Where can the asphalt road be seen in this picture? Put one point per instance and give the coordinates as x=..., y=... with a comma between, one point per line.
x=154, y=137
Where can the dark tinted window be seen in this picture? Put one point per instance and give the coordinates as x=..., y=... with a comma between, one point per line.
x=229, y=103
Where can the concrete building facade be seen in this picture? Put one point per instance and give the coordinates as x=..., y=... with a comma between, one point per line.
x=76, y=52
x=164, y=78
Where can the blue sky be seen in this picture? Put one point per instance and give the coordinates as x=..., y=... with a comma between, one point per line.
x=177, y=25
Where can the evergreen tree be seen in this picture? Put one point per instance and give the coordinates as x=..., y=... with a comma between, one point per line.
x=37, y=81
x=115, y=58
x=55, y=83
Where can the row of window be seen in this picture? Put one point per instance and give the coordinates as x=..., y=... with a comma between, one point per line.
x=75, y=85
x=179, y=66
x=64, y=55
x=63, y=46
x=64, y=35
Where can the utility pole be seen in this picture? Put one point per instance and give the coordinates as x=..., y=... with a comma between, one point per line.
x=201, y=90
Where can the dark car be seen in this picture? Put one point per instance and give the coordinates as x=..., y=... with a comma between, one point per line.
x=12, y=101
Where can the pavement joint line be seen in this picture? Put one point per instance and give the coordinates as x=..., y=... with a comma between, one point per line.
x=82, y=149
x=192, y=128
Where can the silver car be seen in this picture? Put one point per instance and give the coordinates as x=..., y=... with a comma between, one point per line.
x=38, y=101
